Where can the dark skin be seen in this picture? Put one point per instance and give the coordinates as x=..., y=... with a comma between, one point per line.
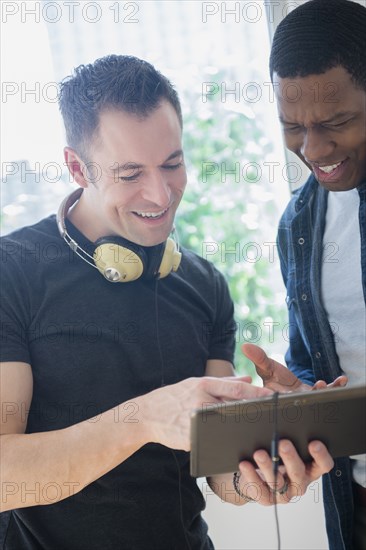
x=279, y=378
x=323, y=118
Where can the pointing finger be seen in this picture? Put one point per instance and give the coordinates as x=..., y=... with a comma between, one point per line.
x=233, y=390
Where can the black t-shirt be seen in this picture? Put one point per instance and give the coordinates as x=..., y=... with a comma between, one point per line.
x=93, y=344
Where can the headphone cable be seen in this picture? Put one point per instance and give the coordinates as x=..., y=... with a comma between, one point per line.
x=161, y=385
x=275, y=463
x=162, y=381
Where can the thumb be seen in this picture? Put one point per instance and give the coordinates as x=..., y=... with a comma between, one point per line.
x=263, y=364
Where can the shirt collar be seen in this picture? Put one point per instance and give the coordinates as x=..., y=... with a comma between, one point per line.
x=312, y=185
x=306, y=192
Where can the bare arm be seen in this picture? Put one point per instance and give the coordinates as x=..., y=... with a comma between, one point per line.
x=44, y=468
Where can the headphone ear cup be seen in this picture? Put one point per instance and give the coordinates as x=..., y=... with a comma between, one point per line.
x=171, y=259
x=117, y=262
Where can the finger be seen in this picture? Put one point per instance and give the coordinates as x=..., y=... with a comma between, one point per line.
x=319, y=385
x=252, y=485
x=233, y=390
x=248, y=379
x=339, y=382
x=242, y=378
x=258, y=356
x=265, y=464
x=295, y=467
x=323, y=462
x=302, y=475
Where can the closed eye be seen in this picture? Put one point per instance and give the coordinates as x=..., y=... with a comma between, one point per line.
x=292, y=129
x=340, y=124
x=173, y=166
x=134, y=177
x=129, y=178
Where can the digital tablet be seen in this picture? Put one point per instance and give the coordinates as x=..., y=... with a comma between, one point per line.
x=222, y=435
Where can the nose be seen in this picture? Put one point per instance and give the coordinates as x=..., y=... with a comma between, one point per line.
x=156, y=189
x=316, y=146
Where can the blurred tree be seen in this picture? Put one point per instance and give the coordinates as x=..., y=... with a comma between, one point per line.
x=229, y=216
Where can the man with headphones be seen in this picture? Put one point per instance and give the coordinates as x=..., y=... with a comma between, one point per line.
x=111, y=336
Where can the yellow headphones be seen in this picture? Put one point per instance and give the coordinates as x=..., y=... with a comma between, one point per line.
x=120, y=260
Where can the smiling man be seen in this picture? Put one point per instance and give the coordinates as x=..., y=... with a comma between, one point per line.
x=323, y=118
x=318, y=69
x=134, y=199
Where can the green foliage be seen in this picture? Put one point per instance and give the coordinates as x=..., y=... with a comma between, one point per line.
x=228, y=213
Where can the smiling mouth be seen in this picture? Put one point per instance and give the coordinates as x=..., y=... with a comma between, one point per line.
x=330, y=168
x=330, y=172
x=150, y=215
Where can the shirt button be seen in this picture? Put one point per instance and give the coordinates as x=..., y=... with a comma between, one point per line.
x=338, y=473
x=318, y=355
x=304, y=297
x=301, y=240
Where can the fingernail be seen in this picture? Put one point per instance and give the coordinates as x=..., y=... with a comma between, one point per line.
x=259, y=457
x=317, y=447
x=285, y=447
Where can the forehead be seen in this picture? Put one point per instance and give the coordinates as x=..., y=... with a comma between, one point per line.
x=318, y=96
x=119, y=131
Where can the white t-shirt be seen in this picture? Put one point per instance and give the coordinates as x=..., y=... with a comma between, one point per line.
x=342, y=293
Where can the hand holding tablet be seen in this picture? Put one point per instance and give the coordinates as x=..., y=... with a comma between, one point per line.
x=225, y=434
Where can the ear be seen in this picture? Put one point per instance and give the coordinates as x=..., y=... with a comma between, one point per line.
x=76, y=167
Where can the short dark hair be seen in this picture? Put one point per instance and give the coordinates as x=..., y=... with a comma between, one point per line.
x=116, y=81
x=320, y=35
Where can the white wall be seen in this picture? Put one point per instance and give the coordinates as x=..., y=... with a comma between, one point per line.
x=252, y=527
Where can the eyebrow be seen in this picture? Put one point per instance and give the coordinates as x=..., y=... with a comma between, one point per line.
x=135, y=166
x=331, y=119
x=339, y=115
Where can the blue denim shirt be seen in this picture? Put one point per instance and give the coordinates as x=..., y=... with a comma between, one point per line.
x=312, y=354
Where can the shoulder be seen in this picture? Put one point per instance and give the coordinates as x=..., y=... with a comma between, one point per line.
x=195, y=266
x=45, y=228
x=200, y=278
x=42, y=232
x=25, y=250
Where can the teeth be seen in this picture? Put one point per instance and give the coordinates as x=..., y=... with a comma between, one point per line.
x=329, y=169
x=151, y=214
